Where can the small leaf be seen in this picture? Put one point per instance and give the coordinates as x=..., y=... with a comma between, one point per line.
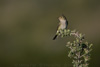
x=62, y=35
x=65, y=32
x=68, y=30
x=80, y=35
x=90, y=45
x=86, y=58
x=61, y=31
x=73, y=31
x=73, y=49
x=86, y=43
x=80, y=65
x=77, y=40
x=86, y=51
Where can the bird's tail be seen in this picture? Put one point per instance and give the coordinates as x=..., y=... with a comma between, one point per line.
x=55, y=37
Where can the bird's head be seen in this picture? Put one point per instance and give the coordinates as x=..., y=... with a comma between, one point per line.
x=62, y=18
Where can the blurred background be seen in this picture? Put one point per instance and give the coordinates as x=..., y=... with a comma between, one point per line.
x=28, y=26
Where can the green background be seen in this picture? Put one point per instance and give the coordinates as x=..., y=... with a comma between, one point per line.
x=28, y=26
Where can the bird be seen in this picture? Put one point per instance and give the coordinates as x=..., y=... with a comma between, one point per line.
x=63, y=24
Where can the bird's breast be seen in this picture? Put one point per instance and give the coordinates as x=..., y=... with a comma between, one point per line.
x=63, y=26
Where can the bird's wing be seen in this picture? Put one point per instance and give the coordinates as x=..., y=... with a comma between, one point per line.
x=58, y=26
x=66, y=24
